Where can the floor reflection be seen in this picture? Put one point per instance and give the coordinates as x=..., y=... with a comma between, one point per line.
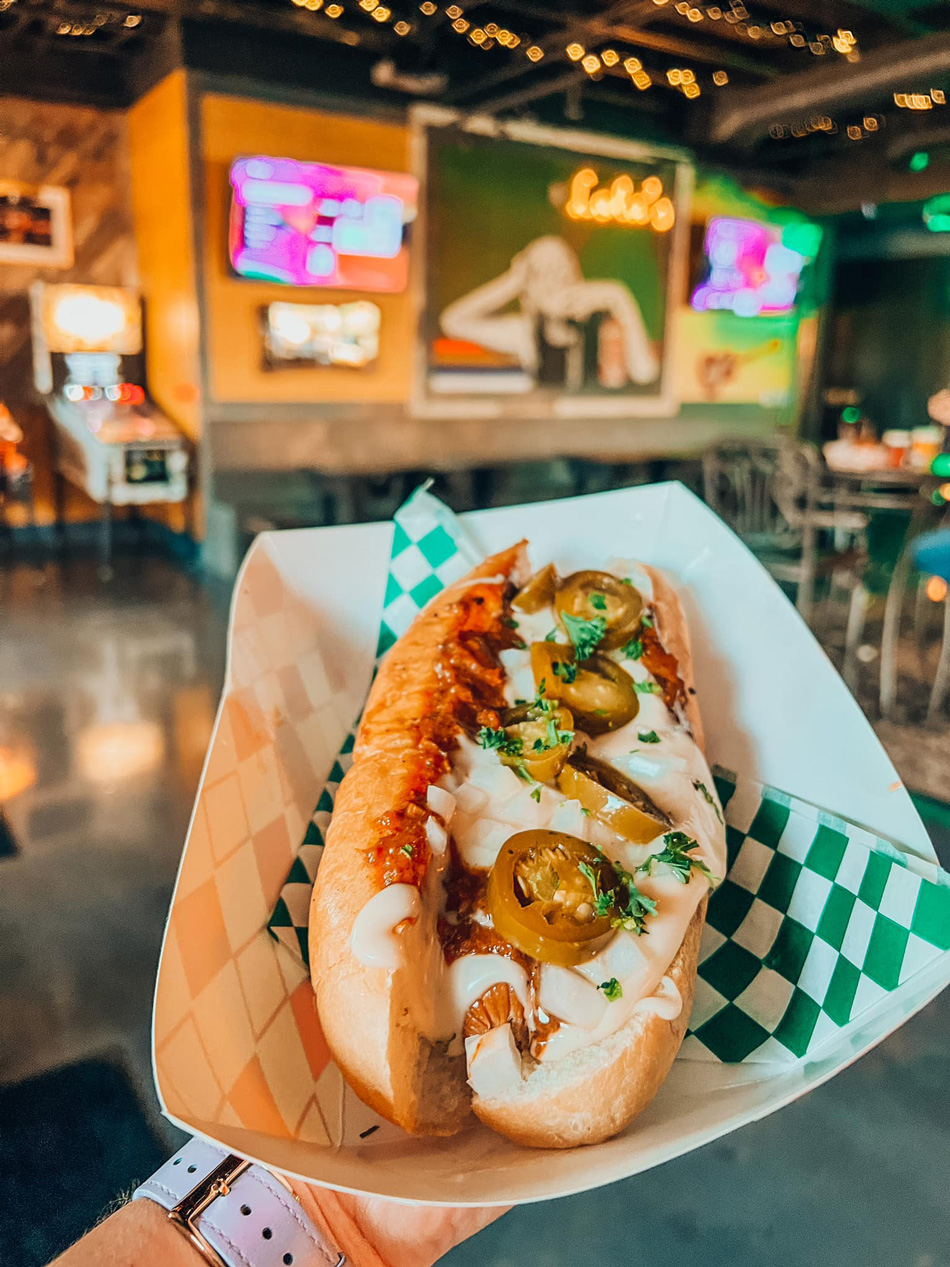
x=107, y=705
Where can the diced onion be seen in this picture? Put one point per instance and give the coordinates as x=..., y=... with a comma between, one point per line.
x=441, y=802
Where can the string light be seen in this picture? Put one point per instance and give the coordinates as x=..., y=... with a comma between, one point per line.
x=642, y=80
x=428, y=8
x=133, y=20
x=936, y=587
x=913, y=101
x=402, y=28
x=938, y=96
x=720, y=78
x=575, y=52
x=453, y=11
x=591, y=64
x=460, y=25
x=610, y=57
x=632, y=64
x=382, y=14
x=534, y=53
x=334, y=10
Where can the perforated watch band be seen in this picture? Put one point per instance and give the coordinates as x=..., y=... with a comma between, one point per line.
x=235, y=1213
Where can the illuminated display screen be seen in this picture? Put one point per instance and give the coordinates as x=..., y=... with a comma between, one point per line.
x=753, y=269
x=309, y=224
x=90, y=319
x=321, y=334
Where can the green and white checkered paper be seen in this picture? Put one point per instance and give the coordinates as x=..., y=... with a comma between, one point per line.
x=817, y=918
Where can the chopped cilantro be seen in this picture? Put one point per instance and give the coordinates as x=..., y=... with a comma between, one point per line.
x=551, y=637
x=521, y=770
x=635, y=907
x=633, y=649
x=603, y=903
x=407, y=850
x=612, y=989
x=598, y=602
x=510, y=622
x=675, y=855
x=700, y=786
x=585, y=811
x=646, y=620
x=601, y=712
x=648, y=688
x=557, y=737
x=566, y=671
x=648, y=736
x=499, y=741
x=536, y=794
x=591, y=876
x=585, y=634
x=626, y=581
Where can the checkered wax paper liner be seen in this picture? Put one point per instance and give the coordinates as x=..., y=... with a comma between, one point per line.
x=816, y=920
x=430, y=550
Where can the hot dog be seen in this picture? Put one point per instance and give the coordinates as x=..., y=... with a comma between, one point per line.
x=507, y=915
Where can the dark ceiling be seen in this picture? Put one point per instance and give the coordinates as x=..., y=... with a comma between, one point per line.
x=826, y=100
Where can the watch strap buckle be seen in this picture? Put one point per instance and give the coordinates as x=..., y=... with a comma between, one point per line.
x=194, y=1203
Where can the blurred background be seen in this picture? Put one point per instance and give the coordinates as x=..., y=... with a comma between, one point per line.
x=270, y=264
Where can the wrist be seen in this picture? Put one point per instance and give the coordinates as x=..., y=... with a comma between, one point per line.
x=336, y=1215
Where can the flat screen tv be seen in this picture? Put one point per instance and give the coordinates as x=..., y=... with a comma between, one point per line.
x=313, y=224
x=753, y=269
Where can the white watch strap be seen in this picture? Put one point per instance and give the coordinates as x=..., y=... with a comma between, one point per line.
x=258, y=1223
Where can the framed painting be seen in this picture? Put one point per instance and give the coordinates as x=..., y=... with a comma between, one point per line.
x=35, y=225
x=552, y=266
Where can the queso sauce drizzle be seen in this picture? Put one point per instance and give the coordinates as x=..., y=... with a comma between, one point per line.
x=469, y=693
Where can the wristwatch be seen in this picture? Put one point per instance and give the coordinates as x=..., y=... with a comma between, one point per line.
x=235, y=1212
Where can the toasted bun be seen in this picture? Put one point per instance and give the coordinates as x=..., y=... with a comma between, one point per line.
x=595, y=1092
x=367, y=1013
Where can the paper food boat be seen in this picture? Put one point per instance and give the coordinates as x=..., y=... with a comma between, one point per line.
x=838, y=914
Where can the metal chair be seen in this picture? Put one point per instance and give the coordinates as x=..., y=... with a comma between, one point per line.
x=771, y=494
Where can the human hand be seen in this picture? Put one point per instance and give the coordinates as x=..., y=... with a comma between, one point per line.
x=373, y=1231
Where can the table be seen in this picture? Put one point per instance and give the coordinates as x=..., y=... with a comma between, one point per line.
x=877, y=493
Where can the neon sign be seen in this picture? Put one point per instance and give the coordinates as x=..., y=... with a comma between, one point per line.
x=620, y=202
x=753, y=269
x=310, y=224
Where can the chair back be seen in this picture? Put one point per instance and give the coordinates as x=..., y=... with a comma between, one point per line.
x=763, y=489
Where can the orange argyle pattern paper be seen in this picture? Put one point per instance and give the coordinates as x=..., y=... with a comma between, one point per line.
x=236, y=1037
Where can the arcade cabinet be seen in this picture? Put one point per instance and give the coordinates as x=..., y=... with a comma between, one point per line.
x=111, y=441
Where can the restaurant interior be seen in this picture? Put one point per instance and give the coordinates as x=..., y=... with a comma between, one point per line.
x=271, y=264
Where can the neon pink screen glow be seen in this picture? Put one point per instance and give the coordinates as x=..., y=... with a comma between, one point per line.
x=310, y=224
x=747, y=269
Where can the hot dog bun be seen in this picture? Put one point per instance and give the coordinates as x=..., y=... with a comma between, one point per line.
x=367, y=1013
x=374, y=1017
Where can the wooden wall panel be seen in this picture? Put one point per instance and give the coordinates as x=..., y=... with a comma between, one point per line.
x=86, y=150
x=232, y=126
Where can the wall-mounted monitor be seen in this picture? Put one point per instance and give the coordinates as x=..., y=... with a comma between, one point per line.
x=297, y=335
x=753, y=269
x=312, y=224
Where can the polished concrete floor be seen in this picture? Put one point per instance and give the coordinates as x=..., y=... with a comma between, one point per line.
x=107, y=695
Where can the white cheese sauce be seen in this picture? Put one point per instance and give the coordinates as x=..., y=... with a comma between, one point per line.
x=491, y=803
x=374, y=940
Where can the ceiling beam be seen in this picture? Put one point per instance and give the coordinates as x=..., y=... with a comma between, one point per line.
x=630, y=12
x=743, y=115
